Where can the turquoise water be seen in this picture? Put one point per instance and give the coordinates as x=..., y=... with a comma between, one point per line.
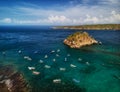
x=98, y=69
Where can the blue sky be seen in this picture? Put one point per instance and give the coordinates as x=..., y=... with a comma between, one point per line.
x=59, y=12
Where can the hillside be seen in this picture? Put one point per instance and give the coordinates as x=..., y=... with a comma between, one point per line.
x=91, y=27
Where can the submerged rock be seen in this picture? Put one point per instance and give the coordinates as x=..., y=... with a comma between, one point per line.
x=12, y=81
x=79, y=39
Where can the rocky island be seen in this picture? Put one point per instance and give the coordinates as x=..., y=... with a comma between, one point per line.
x=79, y=39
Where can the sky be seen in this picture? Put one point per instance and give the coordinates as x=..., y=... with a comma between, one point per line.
x=59, y=12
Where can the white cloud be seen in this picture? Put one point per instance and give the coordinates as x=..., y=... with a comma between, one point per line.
x=63, y=20
x=91, y=19
x=72, y=15
x=6, y=20
x=58, y=19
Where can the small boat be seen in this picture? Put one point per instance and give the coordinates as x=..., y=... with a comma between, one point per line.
x=62, y=69
x=27, y=58
x=52, y=51
x=46, y=56
x=47, y=66
x=75, y=80
x=3, y=53
x=79, y=59
x=65, y=59
x=19, y=51
x=58, y=50
x=87, y=63
x=36, y=73
x=73, y=66
x=57, y=81
x=35, y=52
x=57, y=55
x=68, y=55
x=40, y=61
x=54, y=59
x=31, y=68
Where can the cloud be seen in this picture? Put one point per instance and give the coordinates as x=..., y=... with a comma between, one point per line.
x=58, y=19
x=113, y=18
x=105, y=11
x=91, y=19
x=6, y=20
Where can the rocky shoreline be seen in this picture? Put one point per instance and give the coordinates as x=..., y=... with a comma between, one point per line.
x=12, y=81
x=79, y=39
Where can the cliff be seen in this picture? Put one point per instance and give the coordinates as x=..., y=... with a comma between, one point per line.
x=79, y=39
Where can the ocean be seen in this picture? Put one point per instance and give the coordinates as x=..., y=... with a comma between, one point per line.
x=94, y=68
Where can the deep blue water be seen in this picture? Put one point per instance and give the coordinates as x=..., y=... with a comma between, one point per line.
x=98, y=70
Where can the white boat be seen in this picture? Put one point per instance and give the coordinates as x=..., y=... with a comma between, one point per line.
x=79, y=59
x=52, y=51
x=3, y=53
x=58, y=50
x=73, y=66
x=41, y=61
x=47, y=66
x=57, y=55
x=46, y=56
x=19, y=51
x=62, y=69
x=65, y=59
x=57, y=81
x=31, y=68
x=54, y=60
x=27, y=58
x=68, y=55
x=36, y=73
x=75, y=80
x=87, y=63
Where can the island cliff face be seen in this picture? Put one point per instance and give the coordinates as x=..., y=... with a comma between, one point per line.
x=79, y=39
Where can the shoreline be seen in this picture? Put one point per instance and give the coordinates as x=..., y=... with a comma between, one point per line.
x=115, y=27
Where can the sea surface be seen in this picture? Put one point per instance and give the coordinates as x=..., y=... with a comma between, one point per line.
x=94, y=68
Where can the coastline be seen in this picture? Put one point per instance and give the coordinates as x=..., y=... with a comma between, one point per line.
x=91, y=27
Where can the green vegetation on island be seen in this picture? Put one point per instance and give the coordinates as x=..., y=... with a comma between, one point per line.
x=79, y=39
x=91, y=27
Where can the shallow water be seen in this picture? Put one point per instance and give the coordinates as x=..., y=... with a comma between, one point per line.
x=97, y=71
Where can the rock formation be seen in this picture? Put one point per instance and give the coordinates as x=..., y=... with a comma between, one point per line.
x=11, y=81
x=79, y=39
